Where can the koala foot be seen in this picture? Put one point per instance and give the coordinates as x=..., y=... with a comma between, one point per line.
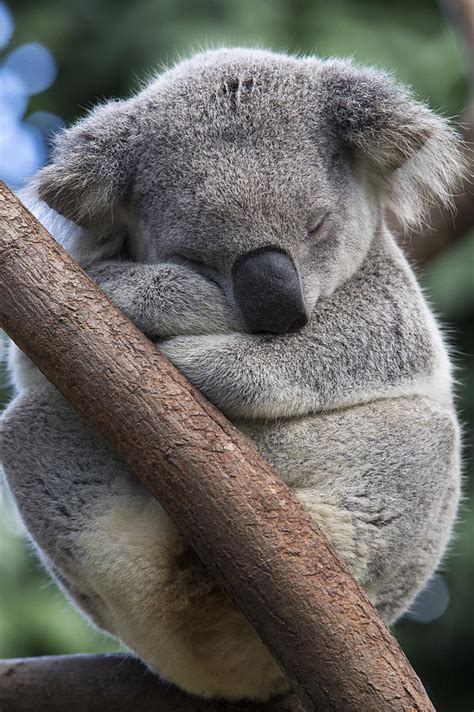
x=165, y=607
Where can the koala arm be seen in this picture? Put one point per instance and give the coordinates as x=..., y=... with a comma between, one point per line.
x=161, y=299
x=261, y=377
x=165, y=299
x=360, y=344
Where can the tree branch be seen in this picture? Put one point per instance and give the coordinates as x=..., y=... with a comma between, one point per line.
x=105, y=683
x=244, y=523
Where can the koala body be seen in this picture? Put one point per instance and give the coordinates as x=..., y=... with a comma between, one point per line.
x=235, y=210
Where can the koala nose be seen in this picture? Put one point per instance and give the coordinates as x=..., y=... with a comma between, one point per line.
x=267, y=290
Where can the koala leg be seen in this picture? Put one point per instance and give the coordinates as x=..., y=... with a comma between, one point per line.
x=382, y=481
x=60, y=473
x=116, y=553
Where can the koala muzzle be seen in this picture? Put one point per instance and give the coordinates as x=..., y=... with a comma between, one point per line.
x=267, y=290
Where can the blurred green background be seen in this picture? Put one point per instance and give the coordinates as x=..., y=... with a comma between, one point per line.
x=102, y=48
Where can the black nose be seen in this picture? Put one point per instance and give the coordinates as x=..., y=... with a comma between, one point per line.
x=267, y=290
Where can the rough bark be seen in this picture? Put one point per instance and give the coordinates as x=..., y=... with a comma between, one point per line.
x=242, y=520
x=105, y=683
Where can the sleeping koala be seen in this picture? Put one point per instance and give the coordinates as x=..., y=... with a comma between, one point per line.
x=235, y=210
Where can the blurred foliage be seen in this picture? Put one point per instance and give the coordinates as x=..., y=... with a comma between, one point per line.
x=104, y=48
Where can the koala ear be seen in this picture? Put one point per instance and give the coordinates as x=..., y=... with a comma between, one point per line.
x=92, y=166
x=414, y=156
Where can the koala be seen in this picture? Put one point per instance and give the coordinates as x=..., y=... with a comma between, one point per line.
x=236, y=210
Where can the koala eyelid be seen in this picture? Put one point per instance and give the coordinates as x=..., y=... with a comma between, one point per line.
x=315, y=226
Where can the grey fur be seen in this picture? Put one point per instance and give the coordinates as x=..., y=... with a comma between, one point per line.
x=230, y=152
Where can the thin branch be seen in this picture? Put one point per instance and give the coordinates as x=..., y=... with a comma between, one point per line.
x=105, y=683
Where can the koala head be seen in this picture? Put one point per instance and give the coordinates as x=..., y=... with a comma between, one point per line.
x=266, y=173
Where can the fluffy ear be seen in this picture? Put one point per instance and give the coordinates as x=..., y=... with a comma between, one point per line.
x=92, y=166
x=414, y=156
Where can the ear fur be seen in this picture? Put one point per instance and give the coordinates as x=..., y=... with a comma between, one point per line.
x=92, y=167
x=414, y=155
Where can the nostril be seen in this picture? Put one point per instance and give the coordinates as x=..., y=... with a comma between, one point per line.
x=297, y=324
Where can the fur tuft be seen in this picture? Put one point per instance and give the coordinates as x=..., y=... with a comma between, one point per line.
x=430, y=177
x=414, y=156
x=92, y=166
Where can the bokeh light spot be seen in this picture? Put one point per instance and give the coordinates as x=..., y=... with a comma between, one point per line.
x=34, y=65
x=431, y=602
x=47, y=123
x=22, y=152
x=6, y=25
x=13, y=97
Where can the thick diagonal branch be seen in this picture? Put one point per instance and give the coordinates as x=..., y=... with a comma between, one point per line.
x=242, y=520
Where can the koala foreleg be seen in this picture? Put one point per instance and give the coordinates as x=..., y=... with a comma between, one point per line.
x=358, y=345
x=161, y=299
x=165, y=299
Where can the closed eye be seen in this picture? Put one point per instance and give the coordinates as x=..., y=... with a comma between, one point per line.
x=192, y=261
x=191, y=258
x=314, y=227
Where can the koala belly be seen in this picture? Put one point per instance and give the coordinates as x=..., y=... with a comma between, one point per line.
x=381, y=479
